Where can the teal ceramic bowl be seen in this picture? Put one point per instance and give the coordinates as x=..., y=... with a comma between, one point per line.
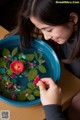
x=52, y=63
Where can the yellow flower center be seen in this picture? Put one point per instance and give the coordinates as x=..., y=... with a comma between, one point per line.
x=16, y=67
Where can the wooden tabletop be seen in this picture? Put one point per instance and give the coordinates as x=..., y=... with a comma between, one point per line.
x=3, y=32
x=70, y=86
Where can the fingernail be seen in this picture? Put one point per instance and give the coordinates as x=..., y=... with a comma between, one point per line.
x=37, y=84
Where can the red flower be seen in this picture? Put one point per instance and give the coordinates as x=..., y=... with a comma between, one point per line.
x=36, y=79
x=17, y=67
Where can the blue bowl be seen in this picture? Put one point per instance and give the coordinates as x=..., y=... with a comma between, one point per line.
x=52, y=63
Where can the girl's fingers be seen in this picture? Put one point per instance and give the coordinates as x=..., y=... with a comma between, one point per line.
x=41, y=86
x=48, y=81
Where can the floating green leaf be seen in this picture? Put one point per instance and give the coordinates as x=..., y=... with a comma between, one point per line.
x=36, y=56
x=21, y=97
x=29, y=91
x=32, y=74
x=40, y=55
x=30, y=57
x=31, y=85
x=37, y=93
x=31, y=97
x=9, y=72
x=5, y=52
x=14, y=51
x=20, y=55
x=42, y=69
x=2, y=62
x=40, y=61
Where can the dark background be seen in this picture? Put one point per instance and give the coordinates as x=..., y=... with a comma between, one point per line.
x=9, y=12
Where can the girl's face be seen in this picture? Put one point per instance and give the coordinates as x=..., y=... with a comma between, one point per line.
x=59, y=34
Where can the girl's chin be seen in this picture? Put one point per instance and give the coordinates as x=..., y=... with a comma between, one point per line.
x=59, y=42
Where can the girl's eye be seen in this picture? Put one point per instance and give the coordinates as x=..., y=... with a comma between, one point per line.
x=49, y=30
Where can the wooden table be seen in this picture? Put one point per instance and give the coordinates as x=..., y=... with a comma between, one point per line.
x=70, y=86
x=3, y=32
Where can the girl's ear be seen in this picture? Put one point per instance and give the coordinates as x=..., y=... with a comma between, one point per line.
x=74, y=17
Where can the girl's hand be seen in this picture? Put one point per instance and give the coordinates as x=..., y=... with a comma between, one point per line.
x=50, y=93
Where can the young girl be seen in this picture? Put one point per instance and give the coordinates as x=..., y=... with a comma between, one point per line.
x=58, y=22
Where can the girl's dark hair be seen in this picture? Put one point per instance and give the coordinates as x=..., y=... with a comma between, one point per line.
x=50, y=13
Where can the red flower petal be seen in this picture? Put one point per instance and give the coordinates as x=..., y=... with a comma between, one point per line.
x=13, y=75
x=7, y=58
x=36, y=79
x=32, y=64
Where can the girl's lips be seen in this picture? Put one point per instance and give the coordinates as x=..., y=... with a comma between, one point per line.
x=56, y=40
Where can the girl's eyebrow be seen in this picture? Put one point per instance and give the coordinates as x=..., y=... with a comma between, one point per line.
x=45, y=28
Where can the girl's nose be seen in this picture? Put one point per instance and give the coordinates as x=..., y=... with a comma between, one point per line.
x=46, y=36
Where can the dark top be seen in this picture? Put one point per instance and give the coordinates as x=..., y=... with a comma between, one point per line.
x=53, y=112
x=74, y=66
